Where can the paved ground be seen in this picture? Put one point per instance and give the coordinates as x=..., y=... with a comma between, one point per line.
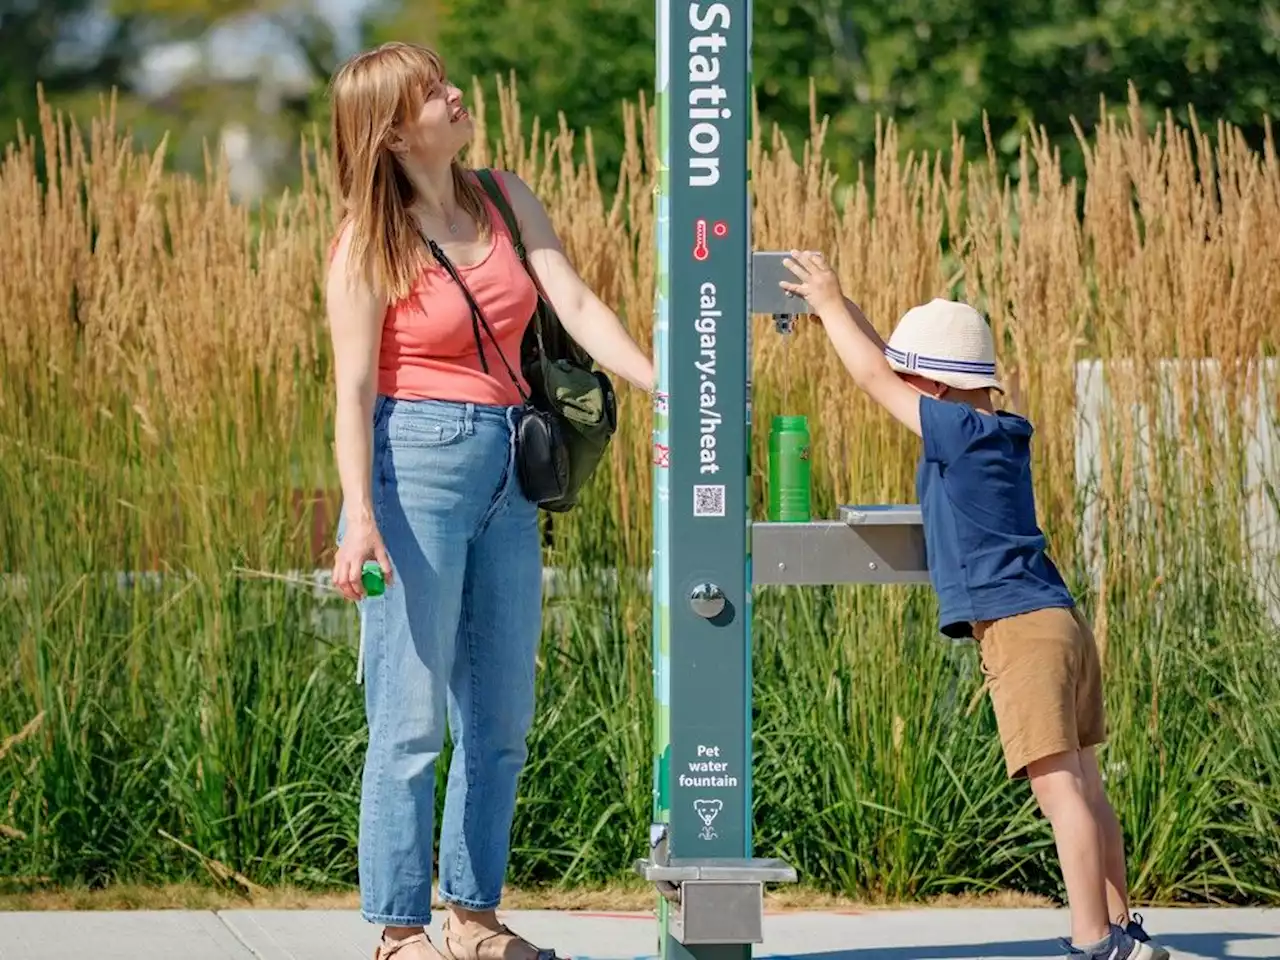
x=887, y=935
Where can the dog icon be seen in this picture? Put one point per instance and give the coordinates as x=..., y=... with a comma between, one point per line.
x=707, y=811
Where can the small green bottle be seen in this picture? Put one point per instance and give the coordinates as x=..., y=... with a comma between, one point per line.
x=789, y=469
x=371, y=577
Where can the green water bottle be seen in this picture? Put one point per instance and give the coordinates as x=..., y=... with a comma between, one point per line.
x=371, y=577
x=789, y=469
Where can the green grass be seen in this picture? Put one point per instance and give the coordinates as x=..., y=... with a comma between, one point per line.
x=214, y=711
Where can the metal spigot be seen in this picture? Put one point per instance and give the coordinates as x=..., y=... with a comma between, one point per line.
x=768, y=271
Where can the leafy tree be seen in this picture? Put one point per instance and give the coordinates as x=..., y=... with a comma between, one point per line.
x=931, y=65
x=32, y=34
x=928, y=64
x=583, y=58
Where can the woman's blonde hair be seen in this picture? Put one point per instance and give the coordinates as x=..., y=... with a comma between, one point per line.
x=371, y=93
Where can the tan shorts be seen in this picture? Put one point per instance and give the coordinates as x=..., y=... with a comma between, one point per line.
x=1045, y=682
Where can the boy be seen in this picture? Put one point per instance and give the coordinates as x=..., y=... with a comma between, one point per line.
x=995, y=581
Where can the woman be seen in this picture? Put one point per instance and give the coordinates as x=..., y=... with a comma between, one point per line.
x=424, y=447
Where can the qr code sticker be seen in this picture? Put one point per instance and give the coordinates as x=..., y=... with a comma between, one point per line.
x=708, y=500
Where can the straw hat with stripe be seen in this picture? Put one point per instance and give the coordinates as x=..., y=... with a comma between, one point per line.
x=945, y=341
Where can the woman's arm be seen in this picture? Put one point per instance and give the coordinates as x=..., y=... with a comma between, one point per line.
x=592, y=325
x=355, y=315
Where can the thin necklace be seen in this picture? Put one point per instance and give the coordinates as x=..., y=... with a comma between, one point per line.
x=449, y=222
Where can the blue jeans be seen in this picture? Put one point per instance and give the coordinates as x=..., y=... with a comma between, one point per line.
x=455, y=635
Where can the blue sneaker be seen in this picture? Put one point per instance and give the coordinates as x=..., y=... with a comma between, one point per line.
x=1119, y=945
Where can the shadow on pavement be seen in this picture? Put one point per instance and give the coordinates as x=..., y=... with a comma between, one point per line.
x=1232, y=945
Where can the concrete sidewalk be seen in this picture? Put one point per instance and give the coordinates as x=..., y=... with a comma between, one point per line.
x=1212, y=934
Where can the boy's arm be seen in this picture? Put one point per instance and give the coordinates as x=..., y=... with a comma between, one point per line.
x=864, y=324
x=857, y=344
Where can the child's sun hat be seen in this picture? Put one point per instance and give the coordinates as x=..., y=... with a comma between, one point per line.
x=945, y=341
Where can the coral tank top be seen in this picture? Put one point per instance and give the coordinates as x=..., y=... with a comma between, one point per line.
x=428, y=349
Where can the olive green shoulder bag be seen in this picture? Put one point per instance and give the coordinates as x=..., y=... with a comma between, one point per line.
x=562, y=380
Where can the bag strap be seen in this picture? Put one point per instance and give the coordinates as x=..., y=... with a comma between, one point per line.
x=477, y=316
x=489, y=183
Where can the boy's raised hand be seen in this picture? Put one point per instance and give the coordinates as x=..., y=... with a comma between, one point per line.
x=858, y=345
x=818, y=283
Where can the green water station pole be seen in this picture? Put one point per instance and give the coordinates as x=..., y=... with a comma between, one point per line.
x=708, y=554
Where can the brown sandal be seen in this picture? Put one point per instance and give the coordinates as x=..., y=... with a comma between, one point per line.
x=455, y=948
x=385, y=950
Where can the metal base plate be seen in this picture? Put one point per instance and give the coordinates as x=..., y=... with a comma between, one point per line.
x=719, y=912
x=716, y=900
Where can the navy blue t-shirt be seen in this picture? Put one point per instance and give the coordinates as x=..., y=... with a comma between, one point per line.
x=987, y=555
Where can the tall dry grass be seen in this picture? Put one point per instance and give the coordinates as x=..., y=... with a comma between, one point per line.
x=166, y=399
